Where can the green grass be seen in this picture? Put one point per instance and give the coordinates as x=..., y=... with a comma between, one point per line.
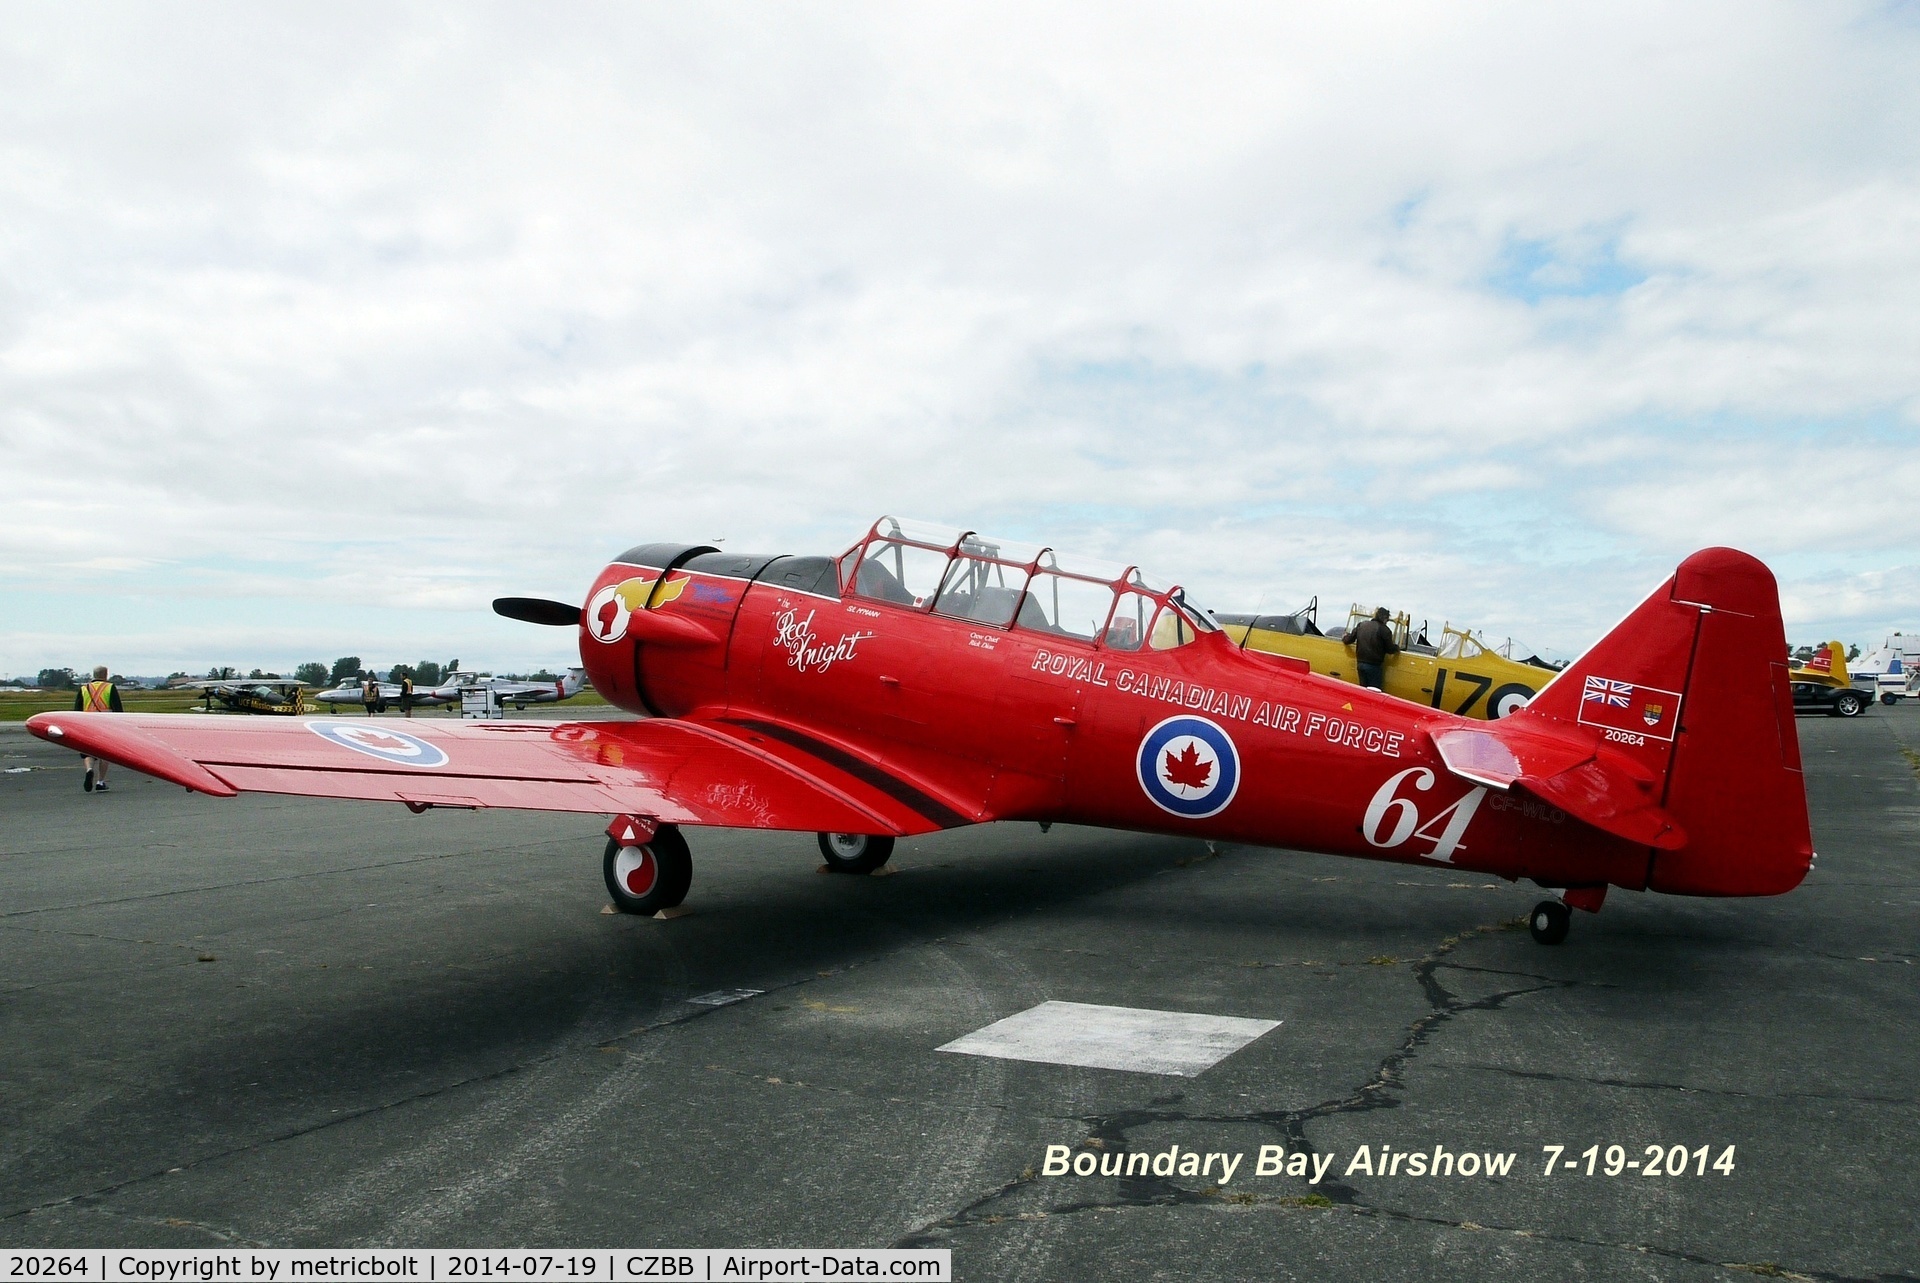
x=18, y=705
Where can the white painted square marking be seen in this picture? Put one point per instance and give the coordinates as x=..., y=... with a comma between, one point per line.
x=1129, y=1038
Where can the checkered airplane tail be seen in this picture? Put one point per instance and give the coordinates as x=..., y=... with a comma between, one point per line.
x=1691, y=690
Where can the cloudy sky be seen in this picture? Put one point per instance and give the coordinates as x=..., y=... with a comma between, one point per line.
x=318, y=332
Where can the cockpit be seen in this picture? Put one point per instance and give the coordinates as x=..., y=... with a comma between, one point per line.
x=1002, y=583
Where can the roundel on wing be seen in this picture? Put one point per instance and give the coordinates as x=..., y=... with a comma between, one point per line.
x=399, y=747
x=1188, y=766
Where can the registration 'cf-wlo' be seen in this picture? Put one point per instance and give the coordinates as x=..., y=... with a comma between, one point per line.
x=929, y=678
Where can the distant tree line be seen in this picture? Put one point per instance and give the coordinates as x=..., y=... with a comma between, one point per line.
x=350, y=668
x=347, y=668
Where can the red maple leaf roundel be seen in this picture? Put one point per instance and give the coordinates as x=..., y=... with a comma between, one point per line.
x=1186, y=769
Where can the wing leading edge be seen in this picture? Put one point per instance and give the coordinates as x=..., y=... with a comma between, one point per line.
x=676, y=771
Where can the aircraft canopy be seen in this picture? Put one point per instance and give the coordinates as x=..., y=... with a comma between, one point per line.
x=1005, y=583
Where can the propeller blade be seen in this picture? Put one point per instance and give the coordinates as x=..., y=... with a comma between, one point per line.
x=537, y=610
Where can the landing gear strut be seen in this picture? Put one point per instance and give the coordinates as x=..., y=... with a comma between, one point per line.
x=1550, y=921
x=854, y=852
x=648, y=869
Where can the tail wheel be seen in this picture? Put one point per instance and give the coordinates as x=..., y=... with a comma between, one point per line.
x=1508, y=700
x=647, y=879
x=854, y=852
x=1550, y=921
x=1849, y=705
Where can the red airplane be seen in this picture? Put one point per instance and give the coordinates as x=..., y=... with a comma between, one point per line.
x=929, y=678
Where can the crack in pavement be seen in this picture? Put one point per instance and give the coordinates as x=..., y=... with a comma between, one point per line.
x=1647, y=1085
x=225, y=1237
x=1108, y=1133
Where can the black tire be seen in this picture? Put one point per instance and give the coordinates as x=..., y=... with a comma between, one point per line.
x=1889, y=700
x=627, y=868
x=1550, y=921
x=1508, y=700
x=1848, y=704
x=855, y=852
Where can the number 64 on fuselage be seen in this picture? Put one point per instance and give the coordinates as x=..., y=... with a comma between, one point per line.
x=930, y=677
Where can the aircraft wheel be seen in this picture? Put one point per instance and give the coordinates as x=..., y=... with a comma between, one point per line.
x=647, y=879
x=854, y=852
x=1509, y=699
x=1550, y=921
x=1848, y=704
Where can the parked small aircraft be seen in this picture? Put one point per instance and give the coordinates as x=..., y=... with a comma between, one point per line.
x=510, y=690
x=929, y=678
x=1461, y=674
x=353, y=693
x=283, y=695
x=513, y=690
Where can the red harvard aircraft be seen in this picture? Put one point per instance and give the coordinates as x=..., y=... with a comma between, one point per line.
x=930, y=678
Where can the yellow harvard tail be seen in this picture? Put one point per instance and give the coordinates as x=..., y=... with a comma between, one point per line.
x=1828, y=667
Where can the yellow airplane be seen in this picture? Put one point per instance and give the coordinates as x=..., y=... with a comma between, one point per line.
x=1828, y=667
x=1462, y=674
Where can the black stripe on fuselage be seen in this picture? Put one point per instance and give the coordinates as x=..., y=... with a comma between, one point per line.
x=866, y=772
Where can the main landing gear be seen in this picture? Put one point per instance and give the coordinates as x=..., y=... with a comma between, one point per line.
x=1551, y=919
x=648, y=866
x=854, y=852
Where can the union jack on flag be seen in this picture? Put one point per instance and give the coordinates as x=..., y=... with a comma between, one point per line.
x=1604, y=690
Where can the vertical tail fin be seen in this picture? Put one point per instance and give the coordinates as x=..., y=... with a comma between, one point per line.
x=1837, y=662
x=1827, y=663
x=1693, y=687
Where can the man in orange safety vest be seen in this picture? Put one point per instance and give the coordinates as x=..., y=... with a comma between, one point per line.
x=97, y=696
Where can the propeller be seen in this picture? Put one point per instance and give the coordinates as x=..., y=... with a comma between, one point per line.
x=537, y=610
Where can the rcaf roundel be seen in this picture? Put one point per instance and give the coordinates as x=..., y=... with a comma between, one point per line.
x=398, y=747
x=1188, y=766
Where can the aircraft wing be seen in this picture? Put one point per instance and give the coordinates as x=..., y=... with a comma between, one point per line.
x=675, y=771
x=239, y=683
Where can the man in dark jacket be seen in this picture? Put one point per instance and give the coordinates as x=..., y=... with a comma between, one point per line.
x=1372, y=642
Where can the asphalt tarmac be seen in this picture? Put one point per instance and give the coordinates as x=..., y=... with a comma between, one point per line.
x=292, y=1023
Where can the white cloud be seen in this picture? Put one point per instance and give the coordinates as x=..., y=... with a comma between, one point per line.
x=416, y=305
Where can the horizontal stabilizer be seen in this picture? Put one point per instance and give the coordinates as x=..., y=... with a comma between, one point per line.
x=1566, y=771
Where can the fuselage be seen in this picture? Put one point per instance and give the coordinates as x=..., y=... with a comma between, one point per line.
x=1195, y=737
